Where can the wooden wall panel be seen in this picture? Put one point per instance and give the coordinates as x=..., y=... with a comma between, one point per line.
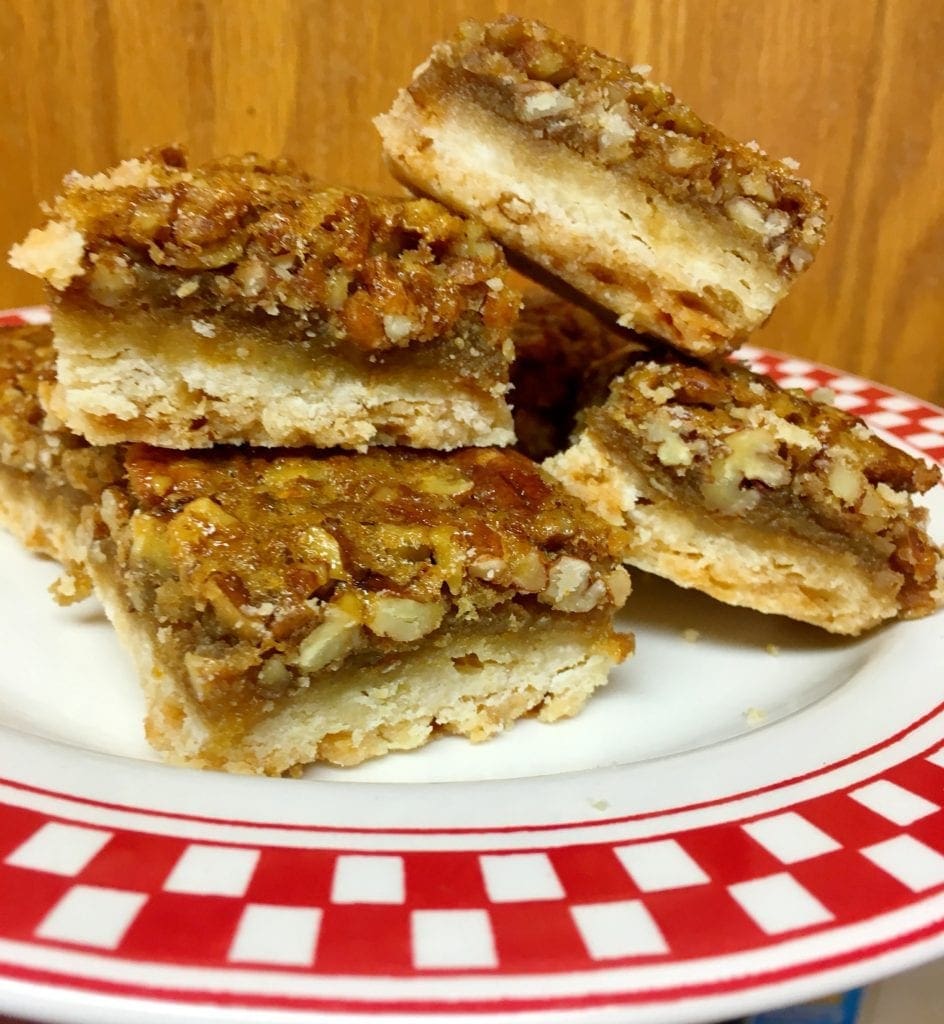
x=854, y=90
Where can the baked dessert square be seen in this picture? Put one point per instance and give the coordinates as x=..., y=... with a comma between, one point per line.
x=240, y=302
x=729, y=484
x=292, y=608
x=589, y=170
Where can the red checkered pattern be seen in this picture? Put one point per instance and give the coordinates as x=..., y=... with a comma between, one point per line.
x=134, y=897
x=168, y=900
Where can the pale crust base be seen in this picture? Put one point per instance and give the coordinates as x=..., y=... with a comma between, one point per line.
x=123, y=380
x=663, y=268
x=549, y=668
x=730, y=560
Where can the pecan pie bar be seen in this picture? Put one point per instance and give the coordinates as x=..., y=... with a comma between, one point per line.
x=240, y=302
x=729, y=484
x=601, y=177
x=287, y=608
x=47, y=475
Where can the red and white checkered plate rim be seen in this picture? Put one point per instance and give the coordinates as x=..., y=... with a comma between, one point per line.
x=116, y=904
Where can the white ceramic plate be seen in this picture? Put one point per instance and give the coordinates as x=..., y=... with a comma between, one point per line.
x=739, y=822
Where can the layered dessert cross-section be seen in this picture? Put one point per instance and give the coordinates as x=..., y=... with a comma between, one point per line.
x=588, y=169
x=240, y=302
x=728, y=483
x=285, y=609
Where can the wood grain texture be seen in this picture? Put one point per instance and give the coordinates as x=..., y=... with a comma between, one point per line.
x=854, y=91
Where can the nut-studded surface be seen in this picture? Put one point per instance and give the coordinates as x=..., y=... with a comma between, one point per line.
x=260, y=571
x=260, y=239
x=736, y=444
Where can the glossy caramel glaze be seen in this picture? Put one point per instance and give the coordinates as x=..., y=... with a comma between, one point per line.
x=261, y=240
x=259, y=570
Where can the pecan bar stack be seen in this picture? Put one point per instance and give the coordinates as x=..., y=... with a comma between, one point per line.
x=657, y=222
x=270, y=424
x=286, y=601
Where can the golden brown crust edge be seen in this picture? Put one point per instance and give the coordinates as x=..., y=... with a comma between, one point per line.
x=176, y=395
